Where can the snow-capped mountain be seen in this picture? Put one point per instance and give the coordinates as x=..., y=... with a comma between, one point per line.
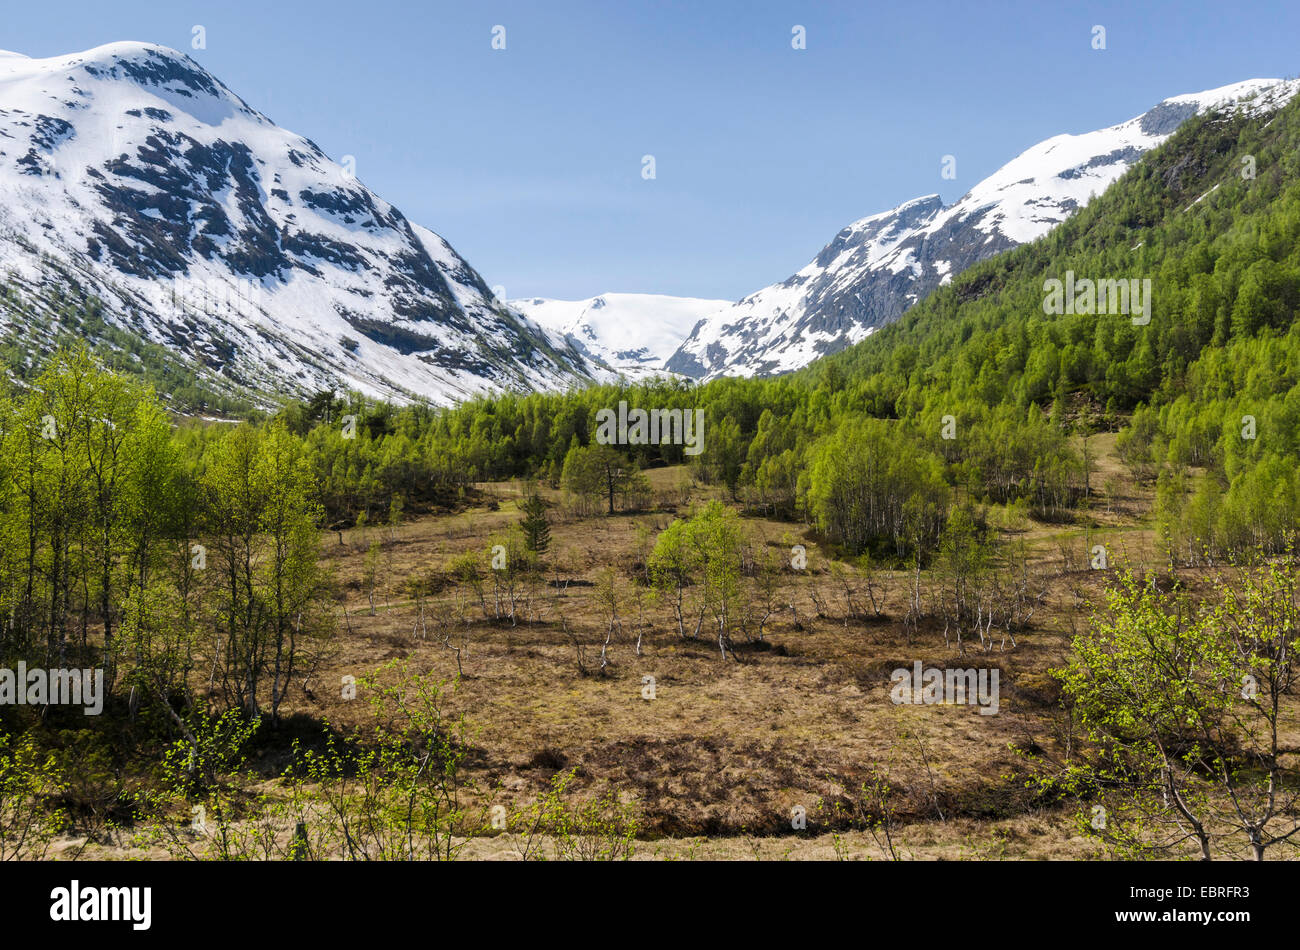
x=130, y=174
x=631, y=333
x=879, y=266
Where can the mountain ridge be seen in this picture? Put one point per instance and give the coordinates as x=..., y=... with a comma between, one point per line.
x=878, y=266
x=201, y=225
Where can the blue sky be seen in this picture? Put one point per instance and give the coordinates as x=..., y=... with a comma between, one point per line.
x=528, y=159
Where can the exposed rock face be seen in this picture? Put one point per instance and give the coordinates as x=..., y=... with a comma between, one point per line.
x=201, y=225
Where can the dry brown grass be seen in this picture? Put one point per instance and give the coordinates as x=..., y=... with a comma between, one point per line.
x=726, y=748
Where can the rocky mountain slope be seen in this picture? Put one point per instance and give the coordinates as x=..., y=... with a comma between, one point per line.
x=131, y=176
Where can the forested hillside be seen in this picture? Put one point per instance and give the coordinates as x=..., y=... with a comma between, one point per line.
x=1213, y=219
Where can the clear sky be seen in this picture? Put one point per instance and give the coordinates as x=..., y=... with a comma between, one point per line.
x=529, y=159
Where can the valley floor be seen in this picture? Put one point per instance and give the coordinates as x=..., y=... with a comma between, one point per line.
x=719, y=761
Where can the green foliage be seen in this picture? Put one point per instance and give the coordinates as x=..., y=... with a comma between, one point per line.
x=397, y=793
x=554, y=828
x=29, y=781
x=130, y=544
x=1184, y=709
x=394, y=792
x=260, y=519
x=709, y=551
x=1222, y=344
x=537, y=530
x=870, y=481
x=599, y=472
x=196, y=810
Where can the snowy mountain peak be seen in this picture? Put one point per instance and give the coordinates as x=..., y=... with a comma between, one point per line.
x=130, y=174
x=880, y=265
x=165, y=73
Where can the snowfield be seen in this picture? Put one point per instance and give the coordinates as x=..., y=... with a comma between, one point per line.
x=631, y=333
